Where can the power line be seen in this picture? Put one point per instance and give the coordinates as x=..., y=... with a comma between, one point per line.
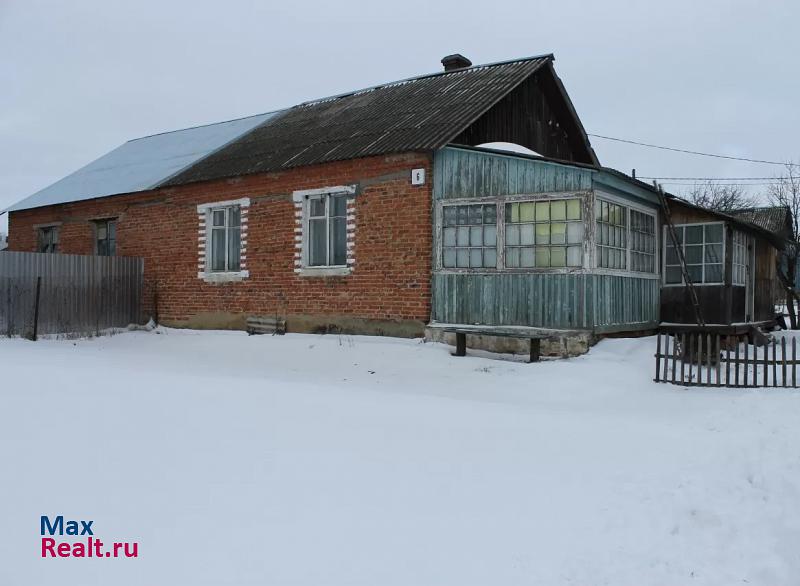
x=677, y=150
x=713, y=178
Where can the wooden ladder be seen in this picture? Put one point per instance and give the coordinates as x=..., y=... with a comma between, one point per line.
x=698, y=311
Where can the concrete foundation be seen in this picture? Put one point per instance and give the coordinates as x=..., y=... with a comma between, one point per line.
x=557, y=346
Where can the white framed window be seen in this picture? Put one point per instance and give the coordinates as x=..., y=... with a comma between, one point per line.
x=222, y=240
x=544, y=233
x=625, y=237
x=325, y=231
x=226, y=239
x=469, y=236
x=739, y=258
x=703, y=247
x=612, y=235
x=47, y=237
x=643, y=242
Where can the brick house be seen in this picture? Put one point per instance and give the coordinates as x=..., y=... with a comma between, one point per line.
x=385, y=210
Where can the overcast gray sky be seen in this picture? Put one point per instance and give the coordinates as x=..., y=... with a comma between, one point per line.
x=79, y=78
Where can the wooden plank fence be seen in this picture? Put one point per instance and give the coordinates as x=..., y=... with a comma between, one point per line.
x=77, y=295
x=718, y=360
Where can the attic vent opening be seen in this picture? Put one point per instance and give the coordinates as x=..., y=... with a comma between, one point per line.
x=455, y=61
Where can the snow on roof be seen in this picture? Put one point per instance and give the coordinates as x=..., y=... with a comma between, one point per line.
x=142, y=163
x=510, y=147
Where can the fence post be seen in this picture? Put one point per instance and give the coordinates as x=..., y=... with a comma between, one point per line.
x=36, y=308
x=783, y=360
x=658, y=357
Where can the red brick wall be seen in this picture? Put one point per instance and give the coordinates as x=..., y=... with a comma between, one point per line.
x=391, y=279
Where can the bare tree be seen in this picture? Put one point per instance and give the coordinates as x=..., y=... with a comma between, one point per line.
x=720, y=197
x=785, y=191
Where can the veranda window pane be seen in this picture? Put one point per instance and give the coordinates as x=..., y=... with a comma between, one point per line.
x=558, y=233
x=218, y=250
x=449, y=258
x=449, y=236
x=489, y=257
x=713, y=273
x=558, y=210
x=318, y=242
x=462, y=258
x=542, y=257
x=476, y=214
x=512, y=212
x=542, y=233
x=574, y=255
x=526, y=234
x=574, y=209
x=462, y=236
x=543, y=211
x=694, y=254
x=490, y=214
x=449, y=215
x=695, y=273
x=673, y=275
x=672, y=256
x=475, y=257
x=575, y=232
x=463, y=215
x=558, y=257
x=714, y=233
x=714, y=253
x=338, y=240
x=512, y=257
x=526, y=257
x=694, y=234
x=490, y=236
x=476, y=235
x=512, y=235
x=526, y=212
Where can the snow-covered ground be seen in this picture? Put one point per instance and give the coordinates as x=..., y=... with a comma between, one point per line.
x=333, y=460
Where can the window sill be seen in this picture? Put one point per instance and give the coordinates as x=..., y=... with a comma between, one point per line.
x=231, y=277
x=324, y=271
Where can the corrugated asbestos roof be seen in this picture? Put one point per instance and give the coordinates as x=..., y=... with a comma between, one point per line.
x=142, y=163
x=422, y=113
x=774, y=219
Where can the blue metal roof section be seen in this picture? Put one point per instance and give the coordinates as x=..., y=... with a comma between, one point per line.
x=143, y=163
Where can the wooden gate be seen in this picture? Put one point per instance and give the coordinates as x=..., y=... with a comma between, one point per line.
x=719, y=360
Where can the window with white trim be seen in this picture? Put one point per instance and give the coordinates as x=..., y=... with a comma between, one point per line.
x=643, y=242
x=225, y=239
x=326, y=230
x=469, y=236
x=739, y=258
x=703, y=249
x=611, y=235
x=48, y=239
x=544, y=233
x=625, y=238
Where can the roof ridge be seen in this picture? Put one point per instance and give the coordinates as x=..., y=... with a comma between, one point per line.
x=550, y=56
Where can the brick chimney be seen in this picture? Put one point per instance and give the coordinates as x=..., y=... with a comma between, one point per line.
x=455, y=61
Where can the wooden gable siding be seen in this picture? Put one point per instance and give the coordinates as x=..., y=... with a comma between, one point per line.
x=533, y=115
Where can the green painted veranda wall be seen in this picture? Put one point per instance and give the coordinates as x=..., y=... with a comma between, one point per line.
x=563, y=300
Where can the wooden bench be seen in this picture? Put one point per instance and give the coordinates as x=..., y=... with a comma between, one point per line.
x=461, y=338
